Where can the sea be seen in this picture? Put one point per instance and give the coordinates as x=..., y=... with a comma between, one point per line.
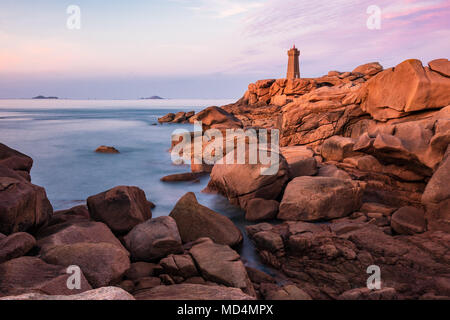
x=62, y=135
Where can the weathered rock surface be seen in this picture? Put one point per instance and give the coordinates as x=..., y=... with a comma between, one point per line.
x=179, y=265
x=121, y=208
x=300, y=160
x=16, y=161
x=289, y=292
x=153, y=239
x=409, y=87
x=193, y=292
x=316, y=198
x=261, y=209
x=105, y=293
x=31, y=274
x=15, y=246
x=221, y=264
x=195, y=221
x=437, y=197
x=328, y=260
x=103, y=264
x=337, y=148
x=409, y=220
x=23, y=206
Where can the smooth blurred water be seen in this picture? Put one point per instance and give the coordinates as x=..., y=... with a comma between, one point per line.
x=61, y=136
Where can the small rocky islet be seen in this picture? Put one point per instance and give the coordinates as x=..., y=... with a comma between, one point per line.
x=365, y=153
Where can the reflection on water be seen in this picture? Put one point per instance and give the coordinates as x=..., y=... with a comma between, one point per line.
x=62, y=142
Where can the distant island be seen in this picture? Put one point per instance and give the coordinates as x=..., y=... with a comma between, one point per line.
x=153, y=98
x=43, y=97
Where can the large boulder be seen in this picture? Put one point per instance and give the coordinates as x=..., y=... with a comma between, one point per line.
x=102, y=263
x=407, y=88
x=300, y=160
x=15, y=246
x=16, y=161
x=369, y=69
x=440, y=65
x=195, y=221
x=221, y=264
x=23, y=206
x=242, y=182
x=437, y=197
x=320, y=198
x=31, y=274
x=153, y=239
x=192, y=292
x=337, y=148
x=105, y=293
x=217, y=118
x=75, y=232
x=121, y=208
x=409, y=220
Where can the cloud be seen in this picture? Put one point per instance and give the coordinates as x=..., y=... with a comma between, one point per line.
x=334, y=34
x=221, y=8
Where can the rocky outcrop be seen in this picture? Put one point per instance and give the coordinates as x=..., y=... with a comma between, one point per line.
x=179, y=117
x=179, y=177
x=120, y=208
x=195, y=221
x=193, y=292
x=31, y=274
x=317, y=198
x=326, y=261
x=407, y=88
x=153, y=239
x=105, y=293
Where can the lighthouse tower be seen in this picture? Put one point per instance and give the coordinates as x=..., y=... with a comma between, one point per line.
x=293, y=71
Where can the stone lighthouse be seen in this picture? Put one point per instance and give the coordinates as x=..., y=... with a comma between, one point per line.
x=293, y=71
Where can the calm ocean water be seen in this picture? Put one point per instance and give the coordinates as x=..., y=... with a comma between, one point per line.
x=61, y=136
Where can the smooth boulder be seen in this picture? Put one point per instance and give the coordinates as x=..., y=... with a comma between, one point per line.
x=196, y=221
x=23, y=206
x=261, y=209
x=221, y=264
x=121, y=208
x=409, y=221
x=153, y=239
x=320, y=198
x=16, y=245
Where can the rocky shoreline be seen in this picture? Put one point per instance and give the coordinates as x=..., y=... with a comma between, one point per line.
x=362, y=181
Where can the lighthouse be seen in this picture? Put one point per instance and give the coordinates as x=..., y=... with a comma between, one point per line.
x=293, y=71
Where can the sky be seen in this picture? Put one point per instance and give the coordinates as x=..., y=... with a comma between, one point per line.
x=202, y=48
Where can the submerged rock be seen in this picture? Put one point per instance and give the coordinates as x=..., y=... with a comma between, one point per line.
x=106, y=149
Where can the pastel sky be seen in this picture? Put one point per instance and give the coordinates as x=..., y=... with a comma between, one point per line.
x=202, y=48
